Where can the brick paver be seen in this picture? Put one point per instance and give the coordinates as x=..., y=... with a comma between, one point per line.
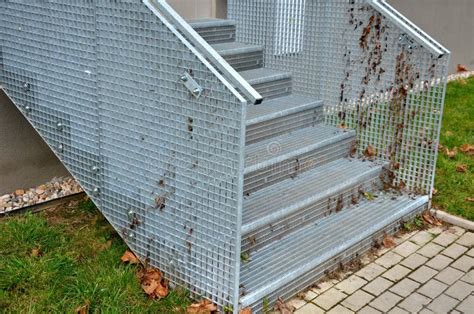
x=430, y=271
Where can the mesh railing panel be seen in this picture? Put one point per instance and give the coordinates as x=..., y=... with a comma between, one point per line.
x=372, y=76
x=100, y=81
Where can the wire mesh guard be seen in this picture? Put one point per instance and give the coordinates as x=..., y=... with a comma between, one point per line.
x=100, y=81
x=372, y=75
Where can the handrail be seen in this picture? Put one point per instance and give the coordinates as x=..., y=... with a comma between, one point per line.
x=205, y=49
x=409, y=27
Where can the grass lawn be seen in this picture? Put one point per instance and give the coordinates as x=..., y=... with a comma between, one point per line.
x=59, y=260
x=453, y=187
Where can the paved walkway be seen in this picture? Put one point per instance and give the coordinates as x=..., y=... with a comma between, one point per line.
x=428, y=271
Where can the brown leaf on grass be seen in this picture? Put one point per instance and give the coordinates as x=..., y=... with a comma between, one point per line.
x=129, y=257
x=451, y=153
x=435, y=191
x=83, y=309
x=153, y=283
x=430, y=219
x=36, y=252
x=283, y=307
x=470, y=199
x=203, y=307
x=462, y=168
x=247, y=310
x=389, y=242
x=462, y=68
x=441, y=148
x=370, y=151
x=467, y=149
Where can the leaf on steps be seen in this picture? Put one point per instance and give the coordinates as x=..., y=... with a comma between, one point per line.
x=370, y=152
x=247, y=310
x=283, y=307
x=129, y=257
x=203, y=307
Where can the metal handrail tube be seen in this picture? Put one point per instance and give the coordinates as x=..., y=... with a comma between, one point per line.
x=205, y=49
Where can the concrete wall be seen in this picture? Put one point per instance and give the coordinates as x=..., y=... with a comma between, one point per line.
x=450, y=22
x=25, y=160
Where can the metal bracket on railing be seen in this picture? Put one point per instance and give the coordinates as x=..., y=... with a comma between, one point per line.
x=191, y=85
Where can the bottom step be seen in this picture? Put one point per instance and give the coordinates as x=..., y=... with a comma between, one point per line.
x=288, y=266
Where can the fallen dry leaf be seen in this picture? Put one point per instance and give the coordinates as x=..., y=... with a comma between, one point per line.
x=283, y=307
x=203, y=307
x=470, y=199
x=153, y=283
x=451, y=153
x=370, y=151
x=129, y=257
x=441, y=148
x=342, y=126
x=83, y=309
x=389, y=242
x=430, y=219
x=462, y=68
x=435, y=191
x=36, y=252
x=467, y=149
x=246, y=311
x=461, y=168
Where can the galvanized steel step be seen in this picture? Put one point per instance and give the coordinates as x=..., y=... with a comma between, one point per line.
x=281, y=115
x=241, y=56
x=277, y=210
x=269, y=83
x=288, y=155
x=299, y=259
x=214, y=30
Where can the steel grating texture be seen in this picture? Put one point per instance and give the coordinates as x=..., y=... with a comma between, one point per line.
x=373, y=75
x=100, y=82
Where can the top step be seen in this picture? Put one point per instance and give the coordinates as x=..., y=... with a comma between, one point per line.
x=214, y=31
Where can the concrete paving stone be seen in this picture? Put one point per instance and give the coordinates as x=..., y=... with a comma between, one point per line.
x=449, y=275
x=430, y=249
x=469, y=277
x=397, y=310
x=467, y=305
x=454, y=251
x=377, y=286
x=309, y=308
x=435, y=230
x=310, y=295
x=423, y=274
x=414, y=261
x=406, y=248
x=464, y=263
x=445, y=238
x=297, y=303
x=339, y=309
x=470, y=252
x=466, y=239
x=439, y=262
x=385, y=301
x=460, y=290
x=358, y=300
x=329, y=298
x=432, y=288
x=351, y=284
x=405, y=287
x=399, y=239
x=425, y=311
x=422, y=237
x=370, y=271
x=396, y=273
x=443, y=304
x=324, y=286
x=414, y=302
x=368, y=310
x=456, y=230
x=389, y=259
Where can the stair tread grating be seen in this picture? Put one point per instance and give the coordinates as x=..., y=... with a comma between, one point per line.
x=308, y=247
x=264, y=75
x=210, y=22
x=235, y=48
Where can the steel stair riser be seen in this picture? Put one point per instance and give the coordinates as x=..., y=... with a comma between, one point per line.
x=306, y=215
x=278, y=126
x=263, y=177
x=245, y=61
x=215, y=31
x=261, y=274
x=274, y=89
x=318, y=273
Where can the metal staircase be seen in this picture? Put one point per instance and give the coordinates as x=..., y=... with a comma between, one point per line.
x=307, y=204
x=234, y=154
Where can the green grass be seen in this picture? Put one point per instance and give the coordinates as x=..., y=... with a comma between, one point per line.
x=79, y=264
x=453, y=188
